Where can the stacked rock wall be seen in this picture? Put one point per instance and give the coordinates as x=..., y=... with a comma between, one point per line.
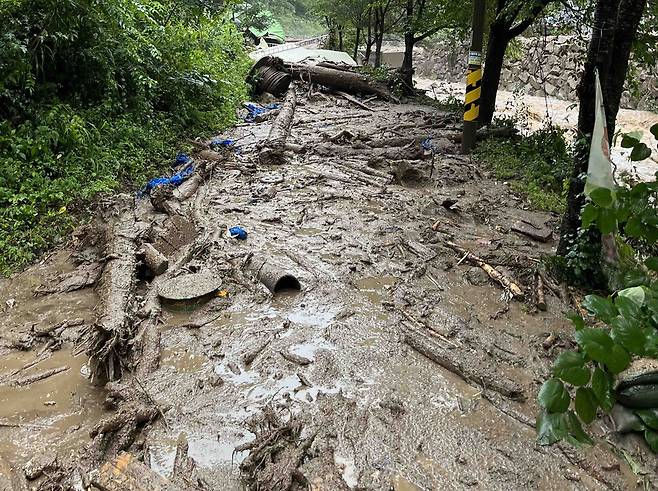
x=539, y=66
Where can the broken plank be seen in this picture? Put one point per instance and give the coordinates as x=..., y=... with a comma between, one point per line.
x=126, y=473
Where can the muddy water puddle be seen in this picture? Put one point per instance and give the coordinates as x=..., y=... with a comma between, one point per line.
x=55, y=412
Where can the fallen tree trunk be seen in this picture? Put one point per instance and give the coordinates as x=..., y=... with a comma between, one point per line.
x=471, y=367
x=275, y=145
x=112, y=331
x=342, y=80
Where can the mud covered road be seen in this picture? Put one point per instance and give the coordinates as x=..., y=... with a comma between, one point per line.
x=332, y=386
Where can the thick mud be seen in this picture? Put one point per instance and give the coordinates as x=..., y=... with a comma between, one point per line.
x=364, y=230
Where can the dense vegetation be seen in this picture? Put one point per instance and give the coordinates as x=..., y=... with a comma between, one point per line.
x=96, y=94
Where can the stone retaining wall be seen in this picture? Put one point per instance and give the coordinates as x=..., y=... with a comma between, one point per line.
x=542, y=66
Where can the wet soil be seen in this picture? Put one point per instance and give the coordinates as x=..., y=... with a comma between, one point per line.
x=365, y=250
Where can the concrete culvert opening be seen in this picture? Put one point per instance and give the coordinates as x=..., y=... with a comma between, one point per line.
x=286, y=283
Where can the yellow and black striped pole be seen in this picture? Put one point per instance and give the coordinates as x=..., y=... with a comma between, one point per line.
x=473, y=79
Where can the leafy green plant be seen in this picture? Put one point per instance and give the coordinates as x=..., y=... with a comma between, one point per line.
x=536, y=165
x=96, y=96
x=625, y=324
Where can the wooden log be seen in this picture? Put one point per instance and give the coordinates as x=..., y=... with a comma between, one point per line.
x=353, y=100
x=473, y=368
x=493, y=273
x=154, y=259
x=113, y=325
x=541, y=298
x=30, y=379
x=343, y=80
x=126, y=473
x=275, y=145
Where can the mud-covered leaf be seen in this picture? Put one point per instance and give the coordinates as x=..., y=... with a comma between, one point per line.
x=570, y=367
x=586, y=404
x=640, y=152
x=551, y=428
x=649, y=417
x=596, y=343
x=554, y=397
x=627, y=332
x=651, y=437
x=602, y=388
x=576, y=434
x=601, y=307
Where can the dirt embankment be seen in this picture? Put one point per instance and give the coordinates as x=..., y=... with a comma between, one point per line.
x=409, y=358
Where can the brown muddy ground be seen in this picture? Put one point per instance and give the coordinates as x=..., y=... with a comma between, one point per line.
x=370, y=265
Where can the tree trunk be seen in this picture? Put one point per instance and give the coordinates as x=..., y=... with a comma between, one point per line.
x=599, y=55
x=356, y=43
x=340, y=38
x=369, y=43
x=407, y=68
x=631, y=12
x=379, y=36
x=496, y=47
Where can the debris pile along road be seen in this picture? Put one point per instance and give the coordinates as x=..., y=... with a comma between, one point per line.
x=407, y=352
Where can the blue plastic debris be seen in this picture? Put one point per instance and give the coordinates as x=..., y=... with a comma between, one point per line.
x=175, y=180
x=238, y=233
x=182, y=159
x=219, y=143
x=255, y=110
x=428, y=145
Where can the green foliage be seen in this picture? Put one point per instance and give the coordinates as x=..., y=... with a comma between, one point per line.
x=626, y=321
x=94, y=95
x=537, y=165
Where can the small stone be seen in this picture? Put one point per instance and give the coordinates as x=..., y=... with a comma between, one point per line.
x=477, y=277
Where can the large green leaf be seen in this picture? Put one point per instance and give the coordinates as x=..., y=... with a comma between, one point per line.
x=649, y=417
x=607, y=222
x=586, y=404
x=627, y=307
x=554, y=397
x=640, y=152
x=602, y=197
x=629, y=140
x=596, y=343
x=652, y=263
x=602, y=308
x=652, y=439
x=627, y=332
x=570, y=367
x=576, y=320
x=636, y=294
x=602, y=388
x=618, y=360
x=589, y=215
x=576, y=433
x=654, y=131
x=551, y=428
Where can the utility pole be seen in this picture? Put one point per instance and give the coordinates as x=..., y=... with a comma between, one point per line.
x=473, y=79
